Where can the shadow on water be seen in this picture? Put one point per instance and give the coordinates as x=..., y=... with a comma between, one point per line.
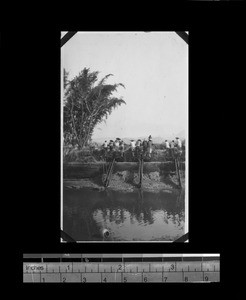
x=134, y=216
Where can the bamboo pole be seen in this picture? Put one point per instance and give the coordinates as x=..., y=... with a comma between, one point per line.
x=140, y=172
x=109, y=173
x=178, y=171
x=142, y=162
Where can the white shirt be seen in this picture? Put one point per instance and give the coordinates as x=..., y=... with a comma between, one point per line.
x=133, y=144
x=179, y=143
x=167, y=145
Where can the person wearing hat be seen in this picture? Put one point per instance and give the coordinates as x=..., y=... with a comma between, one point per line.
x=178, y=143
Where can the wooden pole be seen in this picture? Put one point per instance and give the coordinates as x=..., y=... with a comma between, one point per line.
x=140, y=172
x=109, y=173
x=142, y=162
x=178, y=171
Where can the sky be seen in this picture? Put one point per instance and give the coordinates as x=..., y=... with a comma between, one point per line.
x=153, y=67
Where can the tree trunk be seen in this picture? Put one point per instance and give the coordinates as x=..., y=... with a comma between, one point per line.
x=73, y=126
x=87, y=134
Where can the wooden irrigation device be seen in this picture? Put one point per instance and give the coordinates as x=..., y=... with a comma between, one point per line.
x=176, y=160
x=140, y=172
x=109, y=174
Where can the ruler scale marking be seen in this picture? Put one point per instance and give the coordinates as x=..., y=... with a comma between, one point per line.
x=151, y=268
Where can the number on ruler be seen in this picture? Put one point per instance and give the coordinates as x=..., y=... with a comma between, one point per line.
x=63, y=279
x=145, y=279
x=120, y=267
x=125, y=279
x=105, y=279
x=206, y=278
x=165, y=279
x=186, y=278
x=43, y=279
x=172, y=267
x=84, y=280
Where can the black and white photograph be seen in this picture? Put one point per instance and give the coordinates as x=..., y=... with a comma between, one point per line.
x=124, y=136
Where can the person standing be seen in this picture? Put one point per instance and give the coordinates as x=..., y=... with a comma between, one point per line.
x=172, y=146
x=179, y=147
x=145, y=146
x=132, y=146
x=111, y=145
x=116, y=144
x=178, y=143
x=105, y=147
x=121, y=148
x=150, y=146
x=167, y=147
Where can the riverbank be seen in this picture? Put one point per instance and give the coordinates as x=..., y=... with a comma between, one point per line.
x=127, y=181
x=89, y=155
x=78, y=170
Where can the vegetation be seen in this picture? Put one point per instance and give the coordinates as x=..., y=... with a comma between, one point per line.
x=87, y=102
x=96, y=154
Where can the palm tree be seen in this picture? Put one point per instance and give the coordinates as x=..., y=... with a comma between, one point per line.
x=87, y=103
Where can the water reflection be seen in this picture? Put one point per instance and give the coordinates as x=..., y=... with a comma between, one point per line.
x=139, y=216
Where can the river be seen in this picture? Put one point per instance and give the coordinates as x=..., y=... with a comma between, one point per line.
x=132, y=216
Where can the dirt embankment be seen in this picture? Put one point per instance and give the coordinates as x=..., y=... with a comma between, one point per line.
x=129, y=181
x=97, y=155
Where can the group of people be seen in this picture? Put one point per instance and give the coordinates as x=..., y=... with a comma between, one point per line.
x=137, y=147
x=142, y=147
x=173, y=147
x=117, y=145
x=173, y=144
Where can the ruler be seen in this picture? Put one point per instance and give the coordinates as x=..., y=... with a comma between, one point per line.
x=121, y=268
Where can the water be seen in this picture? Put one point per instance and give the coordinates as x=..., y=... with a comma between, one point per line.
x=133, y=216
